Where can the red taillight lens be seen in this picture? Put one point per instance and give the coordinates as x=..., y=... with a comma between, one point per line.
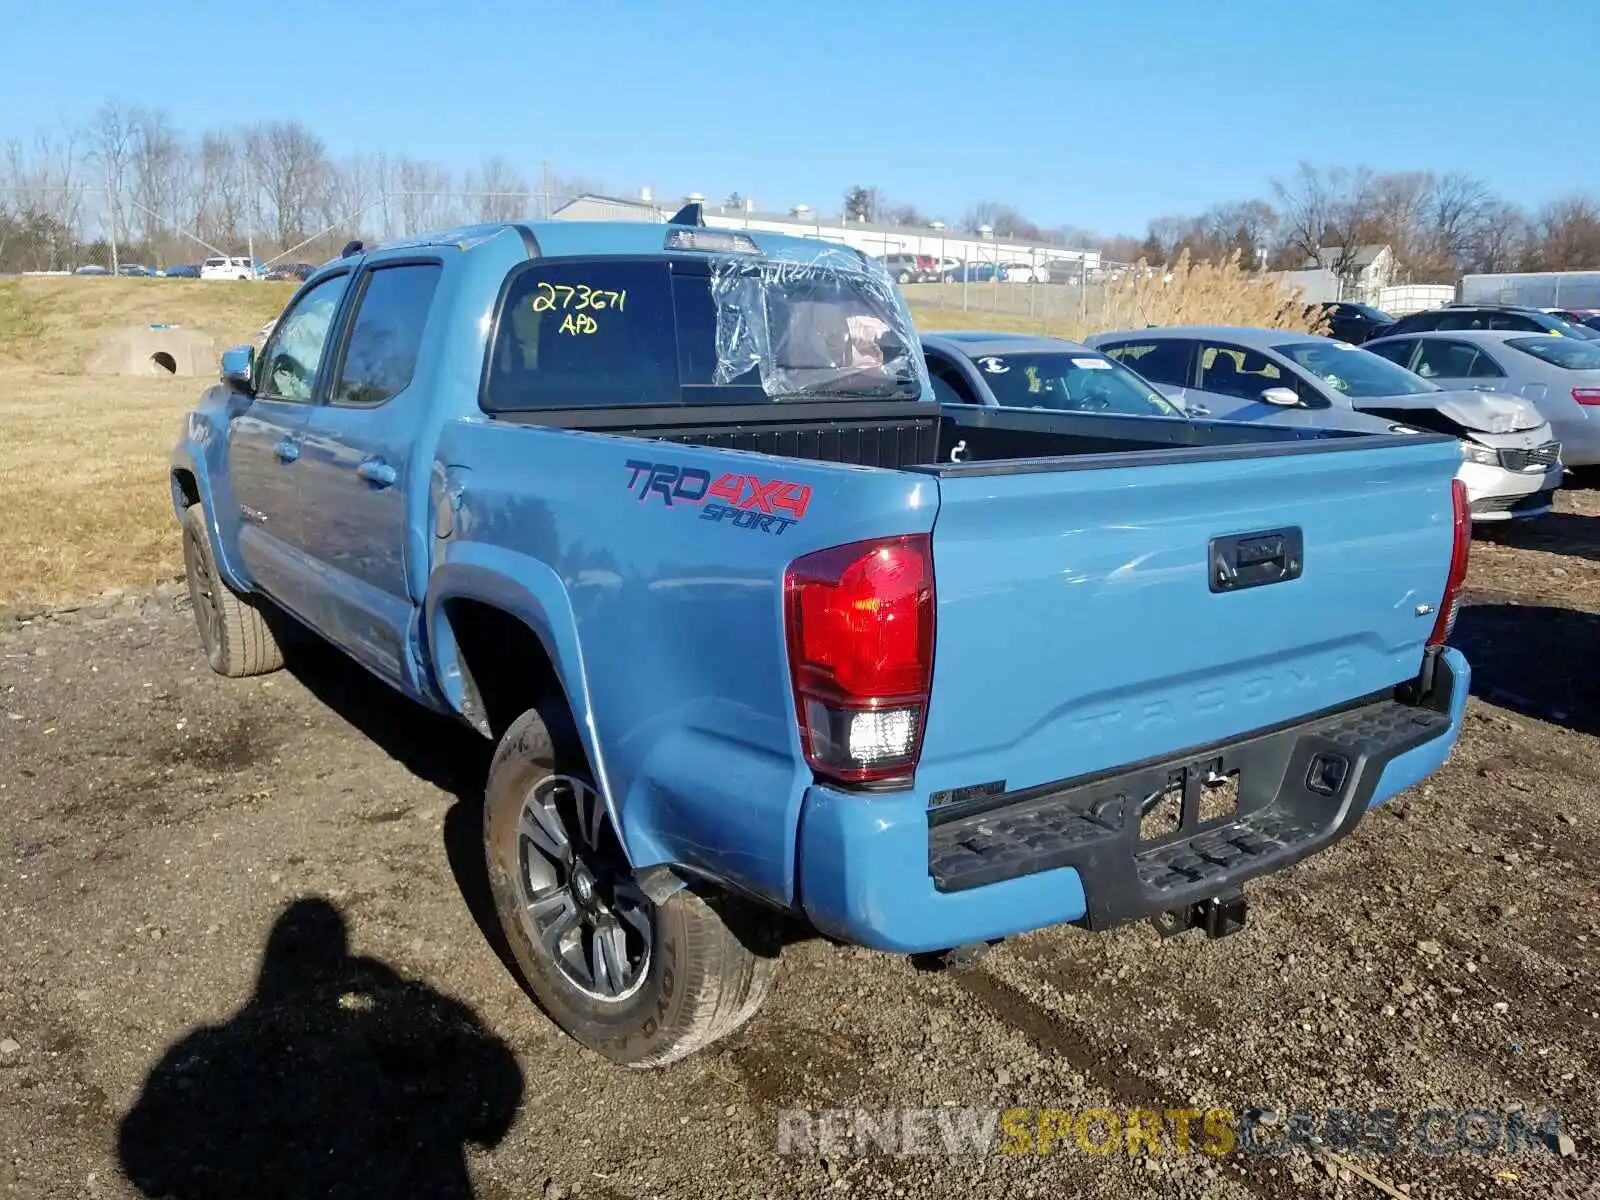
x=860, y=627
x=1459, y=551
x=1586, y=396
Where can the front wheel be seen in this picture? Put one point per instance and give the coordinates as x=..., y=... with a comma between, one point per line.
x=234, y=631
x=642, y=983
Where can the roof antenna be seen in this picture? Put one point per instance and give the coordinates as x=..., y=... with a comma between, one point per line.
x=693, y=213
x=351, y=247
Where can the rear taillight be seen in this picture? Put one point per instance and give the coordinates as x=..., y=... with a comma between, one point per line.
x=1460, y=546
x=860, y=628
x=1586, y=396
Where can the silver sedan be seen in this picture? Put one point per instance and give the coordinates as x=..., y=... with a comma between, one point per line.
x=1559, y=375
x=1510, y=460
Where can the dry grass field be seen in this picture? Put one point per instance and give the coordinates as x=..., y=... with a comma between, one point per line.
x=82, y=458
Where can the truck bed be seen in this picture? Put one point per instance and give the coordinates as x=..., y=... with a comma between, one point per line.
x=897, y=435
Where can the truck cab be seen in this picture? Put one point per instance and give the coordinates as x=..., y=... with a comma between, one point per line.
x=768, y=639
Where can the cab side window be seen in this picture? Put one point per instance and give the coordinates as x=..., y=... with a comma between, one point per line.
x=1235, y=371
x=295, y=350
x=1444, y=359
x=1164, y=361
x=381, y=354
x=1398, y=353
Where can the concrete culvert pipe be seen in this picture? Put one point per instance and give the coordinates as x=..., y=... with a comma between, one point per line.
x=155, y=350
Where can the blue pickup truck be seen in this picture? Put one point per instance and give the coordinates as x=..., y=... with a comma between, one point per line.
x=772, y=644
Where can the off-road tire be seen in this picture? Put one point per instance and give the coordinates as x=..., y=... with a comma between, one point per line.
x=234, y=631
x=712, y=960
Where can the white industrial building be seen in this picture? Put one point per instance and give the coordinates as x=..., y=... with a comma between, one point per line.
x=873, y=239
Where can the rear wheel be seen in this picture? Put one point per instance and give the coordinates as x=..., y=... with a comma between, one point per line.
x=642, y=983
x=233, y=629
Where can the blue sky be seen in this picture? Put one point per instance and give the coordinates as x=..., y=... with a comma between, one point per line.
x=1100, y=115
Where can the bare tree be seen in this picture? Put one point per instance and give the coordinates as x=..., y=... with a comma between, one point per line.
x=289, y=166
x=44, y=180
x=1568, y=236
x=1500, y=240
x=1458, y=209
x=219, y=200
x=421, y=195
x=355, y=188
x=1325, y=214
x=501, y=192
x=159, y=164
x=1003, y=219
x=111, y=135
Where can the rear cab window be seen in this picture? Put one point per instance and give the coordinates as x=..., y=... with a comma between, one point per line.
x=663, y=331
x=1559, y=351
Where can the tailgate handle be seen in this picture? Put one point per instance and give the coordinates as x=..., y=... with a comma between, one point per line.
x=1247, y=560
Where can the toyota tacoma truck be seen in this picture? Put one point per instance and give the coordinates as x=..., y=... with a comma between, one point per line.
x=771, y=644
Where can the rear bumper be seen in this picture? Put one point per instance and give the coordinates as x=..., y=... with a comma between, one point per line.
x=882, y=872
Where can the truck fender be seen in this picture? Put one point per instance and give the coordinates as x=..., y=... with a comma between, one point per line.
x=191, y=465
x=530, y=591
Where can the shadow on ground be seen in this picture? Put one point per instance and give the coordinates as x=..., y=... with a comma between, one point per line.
x=436, y=749
x=1535, y=659
x=338, y=1078
x=1555, y=532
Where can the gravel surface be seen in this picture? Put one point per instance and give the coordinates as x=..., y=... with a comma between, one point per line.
x=243, y=953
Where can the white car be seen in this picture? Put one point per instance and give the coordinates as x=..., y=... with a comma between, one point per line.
x=1021, y=272
x=229, y=268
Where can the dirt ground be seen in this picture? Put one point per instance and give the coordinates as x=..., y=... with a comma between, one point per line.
x=184, y=857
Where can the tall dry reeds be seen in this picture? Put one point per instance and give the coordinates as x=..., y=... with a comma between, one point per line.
x=1204, y=293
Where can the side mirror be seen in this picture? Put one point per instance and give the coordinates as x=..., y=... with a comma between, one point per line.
x=238, y=368
x=1281, y=396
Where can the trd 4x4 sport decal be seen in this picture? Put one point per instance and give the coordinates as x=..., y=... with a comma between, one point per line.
x=743, y=501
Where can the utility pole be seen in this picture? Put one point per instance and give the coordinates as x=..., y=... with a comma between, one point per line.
x=249, y=215
x=111, y=219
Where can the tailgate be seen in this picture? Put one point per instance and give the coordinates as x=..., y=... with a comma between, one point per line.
x=1078, y=629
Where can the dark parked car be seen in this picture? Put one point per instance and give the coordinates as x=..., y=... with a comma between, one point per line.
x=183, y=271
x=1354, y=323
x=1587, y=317
x=298, y=272
x=1490, y=316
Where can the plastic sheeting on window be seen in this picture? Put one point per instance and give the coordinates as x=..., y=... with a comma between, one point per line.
x=827, y=325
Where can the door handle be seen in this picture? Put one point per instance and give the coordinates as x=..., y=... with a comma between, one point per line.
x=376, y=472
x=1198, y=410
x=287, y=450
